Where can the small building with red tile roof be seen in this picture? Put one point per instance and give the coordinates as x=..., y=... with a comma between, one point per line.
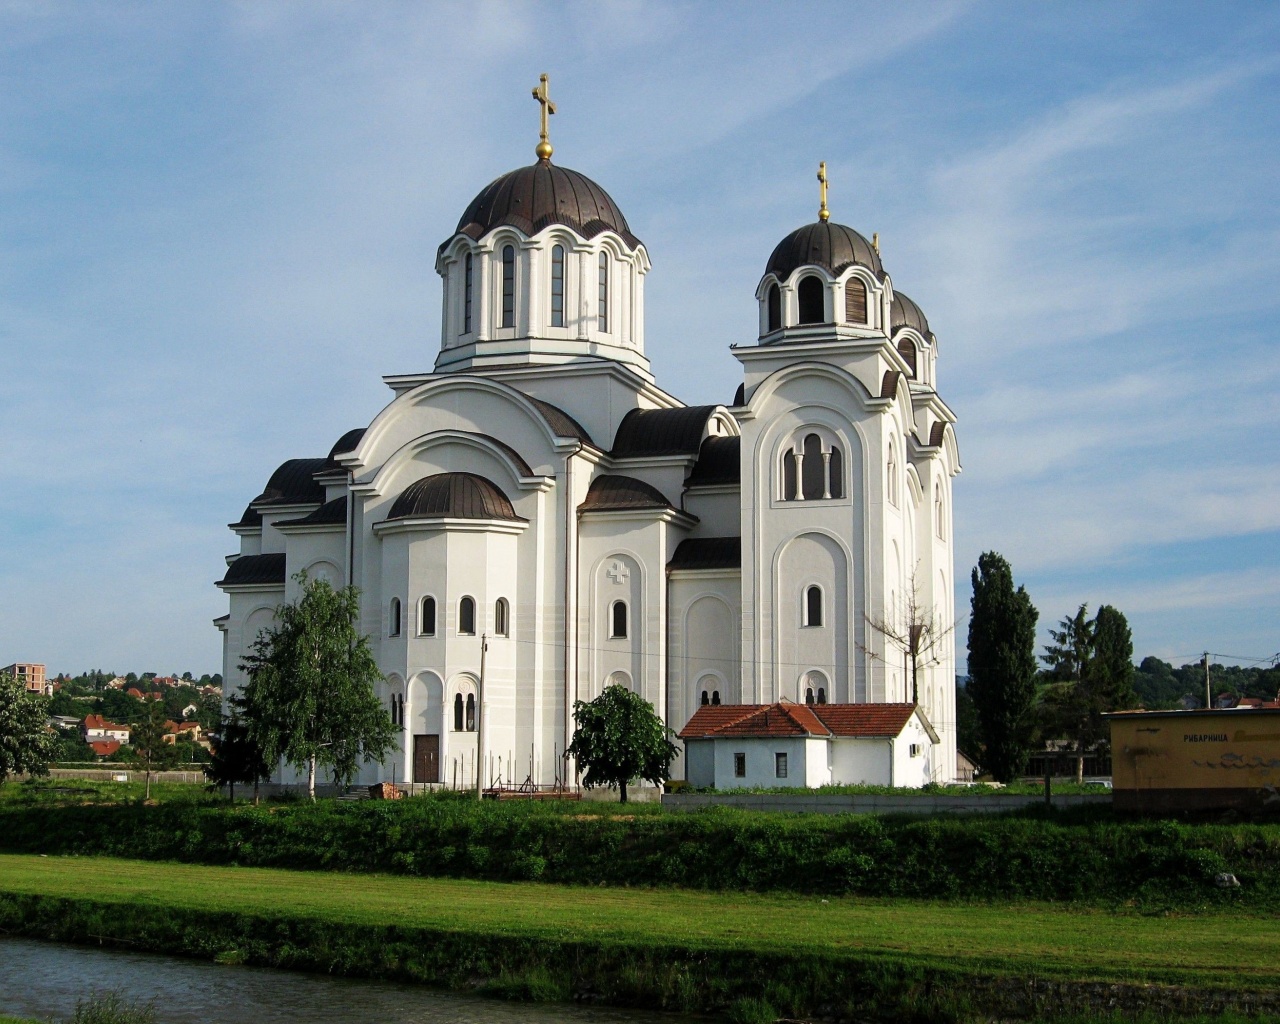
x=740, y=746
x=95, y=728
x=104, y=748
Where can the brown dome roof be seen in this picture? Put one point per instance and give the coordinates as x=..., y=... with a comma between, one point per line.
x=530, y=198
x=905, y=313
x=824, y=244
x=453, y=496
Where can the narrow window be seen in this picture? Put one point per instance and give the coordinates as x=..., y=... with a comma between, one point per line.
x=466, y=297
x=715, y=697
x=394, y=624
x=808, y=695
x=500, y=617
x=618, y=621
x=937, y=510
x=471, y=712
x=509, y=286
x=740, y=766
x=855, y=301
x=427, y=617
x=891, y=471
x=813, y=606
x=780, y=766
x=814, y=472
x=457, y=712
x=467, y=616
x=705, y=699
x=603, y=307
x=557, y=286
x=789, y=475
x=775, y=307
x=835, y=466
x=809, y=296
x=822, y=695
x=907, y=349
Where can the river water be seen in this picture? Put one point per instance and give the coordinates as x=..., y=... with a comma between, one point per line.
x=45, y=980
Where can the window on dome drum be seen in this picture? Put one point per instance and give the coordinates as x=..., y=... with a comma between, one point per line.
x=393, y=624
x=500, y=626
x=774, y=302
x=457, y=712
x=907, y=349
x=427, y=617
x=618, y=621
x=471, y=712
x=780, y=766
x=603, y=308
x=814, y=474
x=557, y=286
x=855, y=301
x=509, y=286
x=809, y=296
x=467, y=616
x=466, y=296
x=739, y=766
x=813, y=606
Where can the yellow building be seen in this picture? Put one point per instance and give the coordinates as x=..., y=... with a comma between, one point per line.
x=1196, y=760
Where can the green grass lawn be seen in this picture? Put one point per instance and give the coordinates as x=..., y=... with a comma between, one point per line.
x=1211, y=949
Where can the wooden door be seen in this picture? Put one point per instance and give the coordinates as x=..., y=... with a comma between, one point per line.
x=426, y=758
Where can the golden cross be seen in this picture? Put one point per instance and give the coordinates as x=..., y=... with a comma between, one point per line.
x=823, y=212
x=875, y=241
x=543, y=96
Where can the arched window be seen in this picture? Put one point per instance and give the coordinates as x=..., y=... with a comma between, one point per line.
x=808, y=695
x=508, y=286
x=822, y=695
x=557, y=286
x=891, y=475
x=602, y=304
x=715, y=697
x=774, y=303
x=814, y=471
x=466, y=295
x=457, y=712
x=500, y=626
x=618, y=621
x=907, y=349
x=835, y=467
x=393, y=623
x=813, y=606
x=471, y=712
x=706, y=699
x=855, y=301
x=789, y=492
x=427, y=617
x=467, y=616
x=938, y=513
x=809, y=296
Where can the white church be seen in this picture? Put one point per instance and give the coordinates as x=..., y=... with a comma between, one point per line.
x=538, y=492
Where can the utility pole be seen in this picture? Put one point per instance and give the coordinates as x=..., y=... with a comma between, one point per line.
x=484, y=646
x=1208, y=697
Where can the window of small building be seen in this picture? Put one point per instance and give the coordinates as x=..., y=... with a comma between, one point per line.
x=618, y=621
x=466, y=295
x=509, y=286
x=500, y=615
x=780, y=765
x=740, y=766
x=855, y=301
x=907, y=349
x=813, y=606
x=471, y=712
x=773, y=303
x=467, y=616
x=457, y=712
x=602, y=304
x=393, y=625
x=810, y=298
x=557, y=286
x=427, y=617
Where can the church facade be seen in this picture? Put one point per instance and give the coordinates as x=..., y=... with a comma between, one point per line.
x=539, y=494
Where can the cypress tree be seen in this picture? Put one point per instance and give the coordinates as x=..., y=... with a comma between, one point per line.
x=1002, y=665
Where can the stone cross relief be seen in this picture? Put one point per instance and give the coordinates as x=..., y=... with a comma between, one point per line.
x=618, y=573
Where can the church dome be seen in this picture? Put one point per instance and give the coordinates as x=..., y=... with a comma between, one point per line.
x=825, y=244
x=905, y=313
x=453, y=496
x=531, y=198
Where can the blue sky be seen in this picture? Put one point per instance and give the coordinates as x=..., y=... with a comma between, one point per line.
x=218, y=223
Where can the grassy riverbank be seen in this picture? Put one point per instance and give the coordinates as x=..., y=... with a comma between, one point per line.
x=662, y=948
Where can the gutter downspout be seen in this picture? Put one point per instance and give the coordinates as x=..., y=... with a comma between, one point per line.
x=891, y=762
x=570, y=616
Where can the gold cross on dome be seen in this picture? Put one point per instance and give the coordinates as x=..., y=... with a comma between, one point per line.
x=823, y=212
x=543, y=95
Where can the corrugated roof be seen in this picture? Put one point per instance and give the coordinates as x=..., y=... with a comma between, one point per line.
x=251, y=517
x=866, y=721
x=330, y=512
x=889, y=384
x=293, y=483
x=708, y=553
x=936, y=433
x=346, y=443
x=560, y=422
x=645, y=432
x=823, y=244
x=250, y=569
x=454, y=496
x=903, y=312
x=611, y=492
x=719, y=462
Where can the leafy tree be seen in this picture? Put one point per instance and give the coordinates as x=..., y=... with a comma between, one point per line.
x=27, y=745
x=149, y=747
x=236, y=757
x=1113, y=659
x=310, y=697
x=620, y=738
x=1002, y=665
x=968, y=728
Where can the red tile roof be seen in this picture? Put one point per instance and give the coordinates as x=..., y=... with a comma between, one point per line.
x=98, y=722
x=788, y=719
x=105, y=748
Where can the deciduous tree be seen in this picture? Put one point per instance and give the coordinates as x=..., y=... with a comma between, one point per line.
x=236, y=757
x=619, y=738
x=27, y=744
x=150, y=750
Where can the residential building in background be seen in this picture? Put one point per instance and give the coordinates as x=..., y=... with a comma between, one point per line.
x=30, y=675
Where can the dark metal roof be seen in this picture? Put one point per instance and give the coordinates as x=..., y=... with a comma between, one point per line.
x=512, y=454
x=661, y=431
x=903, y=312
x=251, y=517
x=708, y=553
x=454, y=496
x=249, y=569
x=824, y=244
x=740, y=396
x=560, y=422
x=294, y=484
x=530, y=198
x=937, y=433
x=718, y=462
x=889, y=385
x=330, y=512
x=346, y=443
x=616, y=493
